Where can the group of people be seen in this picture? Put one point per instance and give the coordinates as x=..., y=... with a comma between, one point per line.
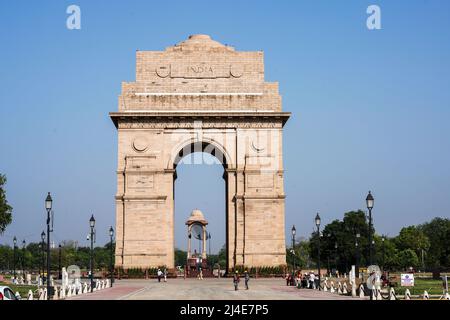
x=237, y=279
x=302, y=280
x=162, y=274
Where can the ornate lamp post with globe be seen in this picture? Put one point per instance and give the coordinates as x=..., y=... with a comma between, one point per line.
x=14, y=257
x=48, y=207
x=91, y=257
x=317, y=221
x=369, y=203
x=357, y=254
x=293, y=232
x=111, y=235
x=23, y=258
x=43, y=254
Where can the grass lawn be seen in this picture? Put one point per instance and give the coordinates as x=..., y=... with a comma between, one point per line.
x=420, y=285
x=22, y=289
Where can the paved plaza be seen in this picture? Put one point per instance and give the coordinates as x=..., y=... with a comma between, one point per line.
x=206, y=289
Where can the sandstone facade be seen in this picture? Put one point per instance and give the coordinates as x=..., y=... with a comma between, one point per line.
x=199, y=95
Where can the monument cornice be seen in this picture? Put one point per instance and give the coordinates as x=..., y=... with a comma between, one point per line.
x=182, y=119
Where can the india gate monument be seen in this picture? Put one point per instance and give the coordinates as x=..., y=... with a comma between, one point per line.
x=200, y=96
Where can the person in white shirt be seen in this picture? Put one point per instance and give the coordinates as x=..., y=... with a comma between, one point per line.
x=312, y=278
x=159, y=274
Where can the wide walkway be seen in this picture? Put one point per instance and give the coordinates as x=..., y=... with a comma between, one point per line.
x=206, y=289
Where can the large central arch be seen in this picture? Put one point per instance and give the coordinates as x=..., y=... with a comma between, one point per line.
x=199, y=96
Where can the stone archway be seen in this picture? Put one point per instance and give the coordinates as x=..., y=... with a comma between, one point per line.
x=199, y=94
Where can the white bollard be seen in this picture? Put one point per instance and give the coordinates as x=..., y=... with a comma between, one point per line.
x=344, y=288
x=407, y=295
x=56, y=295
x=63, y=292
x=45, y=293
x=361, y=291
x=332, y=287
x=447, y=296
x=30, y=295
x=379, y=296
x=85, y=289
x=354, y=288
x=339, y=288
x=392, y=294
x=325, y=285
x=426, y=296
x=69, y=291
x=41, y=294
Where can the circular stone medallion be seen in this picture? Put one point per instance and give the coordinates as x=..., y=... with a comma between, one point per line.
x=163, y=71
x=237, y=70
x=256, y=147
x=140, y=144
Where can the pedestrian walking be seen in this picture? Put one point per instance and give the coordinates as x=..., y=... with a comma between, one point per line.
x=246, y=279
x=159, y=274
x=200, y=273
x=312, y=280
x=236, y=280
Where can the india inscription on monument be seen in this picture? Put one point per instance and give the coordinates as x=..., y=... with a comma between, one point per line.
x=200, y=95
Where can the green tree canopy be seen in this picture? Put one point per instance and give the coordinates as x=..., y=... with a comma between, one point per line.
x=407, y=258
x=5, y=208
x=412, y=238
x=338, y=242
x=438, y=233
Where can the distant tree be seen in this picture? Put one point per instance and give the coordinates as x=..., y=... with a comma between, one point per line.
x=407, y=258
x=412, y=238
x=388, y=261
x=6, y=257
x=438, y=233
x=343, y=234
x=300, y=256
x=222, y=257
x=5, y=208
x=180, y=257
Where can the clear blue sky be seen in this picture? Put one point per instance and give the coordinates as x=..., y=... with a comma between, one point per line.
x=370, y=108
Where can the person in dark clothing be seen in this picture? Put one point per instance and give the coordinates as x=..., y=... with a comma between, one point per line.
x=246, y=278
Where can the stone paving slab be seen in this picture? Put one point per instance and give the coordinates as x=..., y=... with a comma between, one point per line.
x=207, y=289
x=114, y=293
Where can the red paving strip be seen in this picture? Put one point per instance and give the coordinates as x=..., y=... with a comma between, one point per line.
x=113, y=293
x=312, y=294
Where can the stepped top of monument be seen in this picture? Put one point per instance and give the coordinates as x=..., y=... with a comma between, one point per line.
x=199, y=74
x=199, y=42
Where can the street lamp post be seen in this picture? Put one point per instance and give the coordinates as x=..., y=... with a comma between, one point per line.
x=209, y=240
x=91, y=260
x=43, y=254
x=336, y=255
x=48, y=207
x=382, y=265
x=111, y=235
x=14, y=257
x=317, y=221
x=369, y=203
x=293, y=232
x=23, y=258
x=59, y=262
x=357, y=255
